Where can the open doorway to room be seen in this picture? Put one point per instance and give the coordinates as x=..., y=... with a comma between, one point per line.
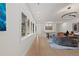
x=58, y=25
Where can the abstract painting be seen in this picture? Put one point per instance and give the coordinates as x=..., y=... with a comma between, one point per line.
x=2, y=17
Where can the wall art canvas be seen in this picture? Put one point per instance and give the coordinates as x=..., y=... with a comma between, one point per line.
x=23, y=24
x=75, y=27
x=2, y=17
x=48, y=27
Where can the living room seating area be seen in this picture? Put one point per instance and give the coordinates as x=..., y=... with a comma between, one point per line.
x=70, y=40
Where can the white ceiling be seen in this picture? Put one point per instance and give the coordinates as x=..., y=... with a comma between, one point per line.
x=65, y=10
x=46, y=12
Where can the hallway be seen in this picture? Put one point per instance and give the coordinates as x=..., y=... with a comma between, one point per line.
x=28, y=24
x=40, y=47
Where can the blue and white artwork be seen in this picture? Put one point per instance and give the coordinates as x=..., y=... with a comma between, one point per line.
x=2, y=17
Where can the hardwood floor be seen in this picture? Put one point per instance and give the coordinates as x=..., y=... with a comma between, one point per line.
x=40, y=47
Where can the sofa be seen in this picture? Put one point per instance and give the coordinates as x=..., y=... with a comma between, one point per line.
x=60, y=39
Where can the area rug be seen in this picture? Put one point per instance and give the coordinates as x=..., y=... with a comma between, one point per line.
x=56, y=46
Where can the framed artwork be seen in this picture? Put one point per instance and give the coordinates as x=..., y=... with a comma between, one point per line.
x=23, y=25
x=28, y=27
x=2, y=16
x=48, y=28
x=33, y=27
x=75, y=27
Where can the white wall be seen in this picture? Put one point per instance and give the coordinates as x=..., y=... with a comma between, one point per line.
x=11, y=42
x=40, y=29
x=67, y=25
